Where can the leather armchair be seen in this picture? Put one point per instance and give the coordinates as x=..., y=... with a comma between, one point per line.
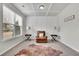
x=41, y=37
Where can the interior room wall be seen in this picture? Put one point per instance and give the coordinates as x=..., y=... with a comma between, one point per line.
x=42, y=23
x=70, y=30
x=6, y=45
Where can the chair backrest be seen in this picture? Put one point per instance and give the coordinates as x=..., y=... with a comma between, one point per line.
x=40, y=33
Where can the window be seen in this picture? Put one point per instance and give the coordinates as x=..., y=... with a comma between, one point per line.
x=18, y=25
x=12, y=24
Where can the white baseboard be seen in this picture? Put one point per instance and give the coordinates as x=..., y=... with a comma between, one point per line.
x=11, y=47
x=69, y=45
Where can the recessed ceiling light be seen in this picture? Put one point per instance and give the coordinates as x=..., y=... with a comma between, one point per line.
x=41, y=7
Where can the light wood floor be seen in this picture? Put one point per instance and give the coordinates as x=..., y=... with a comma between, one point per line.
x=54, y=44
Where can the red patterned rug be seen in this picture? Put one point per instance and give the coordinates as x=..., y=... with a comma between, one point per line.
x=38, y=50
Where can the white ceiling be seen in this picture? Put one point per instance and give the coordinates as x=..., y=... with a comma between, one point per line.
x=32, y=9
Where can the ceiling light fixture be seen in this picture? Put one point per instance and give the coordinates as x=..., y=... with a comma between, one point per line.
x=41, y=7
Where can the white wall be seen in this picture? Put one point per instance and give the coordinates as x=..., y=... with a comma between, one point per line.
x=39, y=23
x=70, y=30
x=6, y=45
x=1, y=17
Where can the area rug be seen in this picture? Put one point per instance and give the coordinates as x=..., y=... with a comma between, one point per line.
x=38, y=50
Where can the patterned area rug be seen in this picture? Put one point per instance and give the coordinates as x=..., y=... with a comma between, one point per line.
x=38, y=50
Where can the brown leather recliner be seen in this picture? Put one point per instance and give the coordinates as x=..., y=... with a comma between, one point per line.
x=41, y=37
